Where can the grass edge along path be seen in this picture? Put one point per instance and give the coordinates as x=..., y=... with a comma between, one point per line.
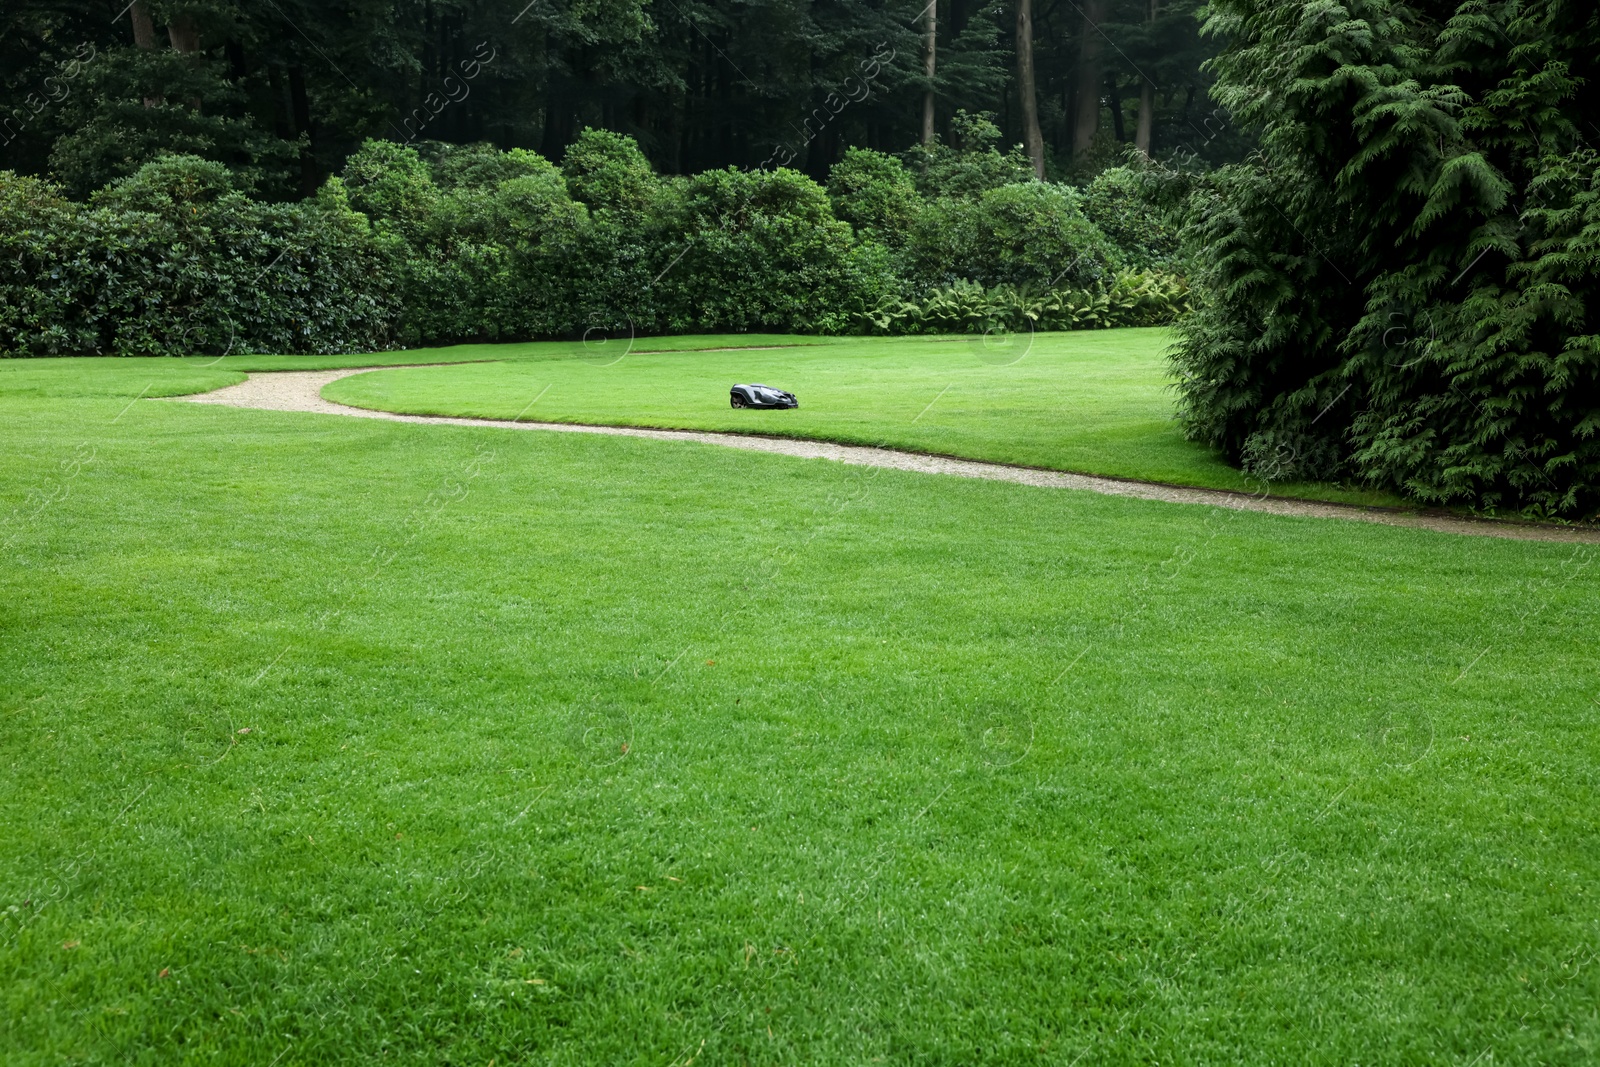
x=302, y=391
x=1093, y=402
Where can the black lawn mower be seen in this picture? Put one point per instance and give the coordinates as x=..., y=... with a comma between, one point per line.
x=760, y=396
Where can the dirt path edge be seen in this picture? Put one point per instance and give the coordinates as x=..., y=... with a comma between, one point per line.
x=302, y=391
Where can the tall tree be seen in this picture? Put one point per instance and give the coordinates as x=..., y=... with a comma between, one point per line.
x=1403, y=282
x=144, y=28
x=285, y=91
x=1027, y=88
x=1155, y=56
x=1147, y=94
x=930, y=66
x=1090, y=78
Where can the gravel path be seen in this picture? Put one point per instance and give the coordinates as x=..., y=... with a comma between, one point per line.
x=302, y=391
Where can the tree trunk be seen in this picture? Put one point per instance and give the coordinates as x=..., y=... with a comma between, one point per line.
x=930, y=45
x=144, y=37
x=1114, y=97
x=184, y=33
x=557, y=116
x=1090, y=78
x=282, y=110
x=238, y=70
x=1027, y=88
x=300, y=108
x=144, y=30
x=1147, y=100
x=1147, y=107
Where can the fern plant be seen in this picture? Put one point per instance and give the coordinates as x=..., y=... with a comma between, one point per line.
x=1148, y=298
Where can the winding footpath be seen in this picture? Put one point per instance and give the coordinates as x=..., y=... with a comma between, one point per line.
x=302, y=391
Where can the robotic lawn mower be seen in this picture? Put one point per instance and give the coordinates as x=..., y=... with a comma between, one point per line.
x=760, y=396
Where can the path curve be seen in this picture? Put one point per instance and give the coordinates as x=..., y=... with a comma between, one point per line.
x=302, y=391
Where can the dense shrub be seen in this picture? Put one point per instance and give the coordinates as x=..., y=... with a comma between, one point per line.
x=433, y=243
x=1402, y=285
x=173, y=259
x=1029, y=233
x=603, y=243
x=479, y=242
x=1117, y=201
x=393, y=186
x=1131, y=299
x=634, y=229
x=550, y=270
x=754, y=249
x=874, y=193
x=606, y=170
x=477, y=166
x=970, y=166
x=39, y=235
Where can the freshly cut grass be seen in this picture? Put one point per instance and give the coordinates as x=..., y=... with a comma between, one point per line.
x=168, y=376
x=68, y=376
x=329, y=740
x=1093, y=401
x=598, y=347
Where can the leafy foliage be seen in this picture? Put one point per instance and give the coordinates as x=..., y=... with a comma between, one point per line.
x=286, y=91
x=1118, y=202
x=762, y=248
x=972, y=164
x=1402, y=285
x=607, y=171
x=435, y=243
x=133, y=106
x=1132, y=299
x=174, y=259
x=1030, y=233
x=874, y=193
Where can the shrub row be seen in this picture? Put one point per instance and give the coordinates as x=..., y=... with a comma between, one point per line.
x=439, y=244
x=172, y=260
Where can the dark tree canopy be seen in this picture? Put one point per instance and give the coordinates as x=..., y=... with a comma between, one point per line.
x=286, y=90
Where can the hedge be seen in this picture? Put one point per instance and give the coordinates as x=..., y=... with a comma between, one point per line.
x=436, y=244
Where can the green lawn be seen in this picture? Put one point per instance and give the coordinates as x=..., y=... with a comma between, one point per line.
x=1091, y=401
x=328, y=740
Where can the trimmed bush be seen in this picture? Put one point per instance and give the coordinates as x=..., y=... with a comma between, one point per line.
x=874, y=193
x=1117, y=202
x=433, y=244
x=1030, y=233
x=172, y=259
